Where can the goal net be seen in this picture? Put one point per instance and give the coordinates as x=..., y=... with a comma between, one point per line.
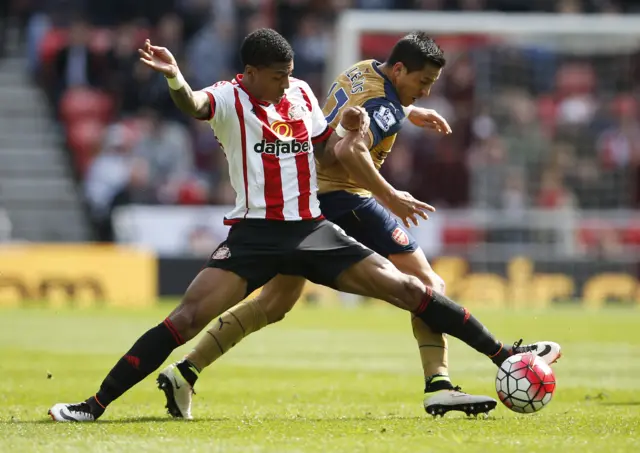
x=538, y=188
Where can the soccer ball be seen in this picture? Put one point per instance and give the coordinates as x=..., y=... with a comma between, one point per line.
x=525, y=383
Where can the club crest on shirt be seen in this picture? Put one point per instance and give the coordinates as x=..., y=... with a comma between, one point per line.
x=298, y=111
x=222, y=253
x=400, y=236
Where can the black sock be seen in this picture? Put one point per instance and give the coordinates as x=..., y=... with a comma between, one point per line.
x=144, y=357
x=189, y=371
x=443, y=315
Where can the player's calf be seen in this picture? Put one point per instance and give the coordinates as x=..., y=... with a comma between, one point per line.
x=210, y=292
x=377, y=277
x=443, y=315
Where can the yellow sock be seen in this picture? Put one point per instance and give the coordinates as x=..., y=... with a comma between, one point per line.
x=434, y=353
x=227, y=331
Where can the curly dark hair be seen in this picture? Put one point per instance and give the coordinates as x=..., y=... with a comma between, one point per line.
x=416, y=50
x=265, y=47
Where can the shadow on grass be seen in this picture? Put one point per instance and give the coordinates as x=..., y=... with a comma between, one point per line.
x=116, y=421
x=267, y=418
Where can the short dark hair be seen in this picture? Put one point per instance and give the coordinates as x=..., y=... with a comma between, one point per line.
x=415, y=51
x=265, y=47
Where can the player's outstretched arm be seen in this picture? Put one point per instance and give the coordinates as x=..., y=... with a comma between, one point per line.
x=428, y=119
x=353, y=153
x=193, y=103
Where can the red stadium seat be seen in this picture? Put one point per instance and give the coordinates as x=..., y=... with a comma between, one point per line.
x=547, y=113
x=84, y=138
x=85, y=103
x=631, y=235
x=575, y=79
x=589, y=236
x=625, y=106
x=192, y=193
x=100, y=41
x=462, y=235
x=51, y=44
x=592, y=234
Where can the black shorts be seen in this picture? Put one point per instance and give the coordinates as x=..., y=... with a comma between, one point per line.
x=367, y=221
x=257, y=250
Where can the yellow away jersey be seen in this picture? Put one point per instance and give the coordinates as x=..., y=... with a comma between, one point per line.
x=362, y=85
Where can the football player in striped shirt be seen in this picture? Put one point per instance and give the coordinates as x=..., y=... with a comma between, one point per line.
x=265, y=121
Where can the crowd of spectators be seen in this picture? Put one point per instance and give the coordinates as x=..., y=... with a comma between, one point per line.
x=532, y=127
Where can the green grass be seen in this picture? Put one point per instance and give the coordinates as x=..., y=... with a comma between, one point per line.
x=323, y=380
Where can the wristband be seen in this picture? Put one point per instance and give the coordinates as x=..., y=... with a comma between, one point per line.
x=177, y=82
x=407, y=110
x=341, y=131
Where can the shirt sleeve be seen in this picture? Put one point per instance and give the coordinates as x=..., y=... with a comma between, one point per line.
x=386, y=119
x=218, y=94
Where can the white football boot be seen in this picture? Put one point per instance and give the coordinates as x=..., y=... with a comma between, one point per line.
x=548, y=351
x=443, y=401
x=79, y=412
x=177, y=391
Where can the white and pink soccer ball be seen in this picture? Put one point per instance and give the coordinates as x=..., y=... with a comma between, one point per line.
x=525, y=383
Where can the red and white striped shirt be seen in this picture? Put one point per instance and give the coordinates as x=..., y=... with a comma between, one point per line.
x=269, y=149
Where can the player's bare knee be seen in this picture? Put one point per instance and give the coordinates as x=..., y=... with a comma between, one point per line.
x=413, y=292
x=436, y=282
x=276, y=302
x=186, y=318
x=429, y=278
x=406, y=289
x=275, y=308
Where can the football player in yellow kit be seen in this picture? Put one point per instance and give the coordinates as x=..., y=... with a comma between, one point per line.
x=356, y=197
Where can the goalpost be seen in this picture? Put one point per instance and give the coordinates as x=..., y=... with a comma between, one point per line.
x=352, y=24
x=560, y=97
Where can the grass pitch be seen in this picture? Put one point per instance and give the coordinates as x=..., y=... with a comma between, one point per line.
x=322, y=380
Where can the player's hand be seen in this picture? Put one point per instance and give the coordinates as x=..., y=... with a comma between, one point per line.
x=429, y=119
x=355, y=118
x=405, y=207
x=159, y=59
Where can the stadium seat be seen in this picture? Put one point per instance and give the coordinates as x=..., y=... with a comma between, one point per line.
x=51, y=44
x=589, y=236
x=85, y=103
x=192, y=193
x=454, y=235
x=84, y=138
x=631, y=235
x=547, y=113
x=625, y=106
x=574, y=79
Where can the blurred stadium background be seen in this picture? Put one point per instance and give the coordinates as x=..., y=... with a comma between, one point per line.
x=537, y=190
